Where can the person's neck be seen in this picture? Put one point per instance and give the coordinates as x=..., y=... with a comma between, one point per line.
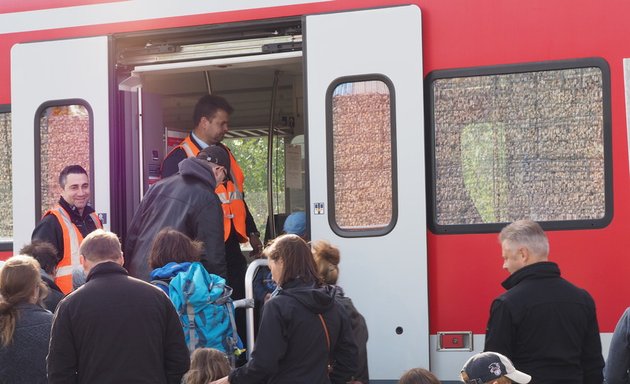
x=203, y=143
x=71, y=206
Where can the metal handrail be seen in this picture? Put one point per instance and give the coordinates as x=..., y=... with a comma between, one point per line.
x=249, y=295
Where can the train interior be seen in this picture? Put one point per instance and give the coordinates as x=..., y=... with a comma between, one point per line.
x=258, y=69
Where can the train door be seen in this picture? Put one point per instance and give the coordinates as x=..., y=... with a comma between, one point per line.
x=60, y=102
x=366, y=172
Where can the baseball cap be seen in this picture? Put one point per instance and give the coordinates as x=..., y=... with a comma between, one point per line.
x=489, y=366
x=217, y=155
x=295, y=224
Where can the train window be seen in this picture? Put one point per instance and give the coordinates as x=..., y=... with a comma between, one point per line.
x=362, y=165
x=6, y=182
x=520, y=141
x=63, y=137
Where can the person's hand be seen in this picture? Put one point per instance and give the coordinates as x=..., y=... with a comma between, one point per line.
x=256, y=244
x=223, y=380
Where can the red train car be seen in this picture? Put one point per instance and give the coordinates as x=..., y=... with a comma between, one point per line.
x=410, y=133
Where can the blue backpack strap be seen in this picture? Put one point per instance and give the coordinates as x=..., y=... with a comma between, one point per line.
x=192, y=333
x=163, y=285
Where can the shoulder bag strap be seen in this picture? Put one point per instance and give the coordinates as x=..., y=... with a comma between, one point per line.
x=321, y=318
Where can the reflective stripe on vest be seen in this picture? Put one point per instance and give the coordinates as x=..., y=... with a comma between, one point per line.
x=233, y=205
x=233, y=211
x=189, y=147
x=72, y=239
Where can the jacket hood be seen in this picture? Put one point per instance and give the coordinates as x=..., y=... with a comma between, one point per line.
x=316, y=299
x=199, y=169
x=170, y=270
x=540, y=270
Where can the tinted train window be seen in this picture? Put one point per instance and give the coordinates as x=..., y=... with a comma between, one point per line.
x=361, y=137
x=526, y=141
x=6, y=182
x=64, y=139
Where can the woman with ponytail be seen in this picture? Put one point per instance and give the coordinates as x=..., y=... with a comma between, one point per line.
x=327, y=260
x=24, y=323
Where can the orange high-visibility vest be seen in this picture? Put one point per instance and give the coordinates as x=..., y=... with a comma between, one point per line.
x=233, y=210
x=230, y=194
x=72, y=239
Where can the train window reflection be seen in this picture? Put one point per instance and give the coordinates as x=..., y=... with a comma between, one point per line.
x=520, y=145
x=362, y=158
x=6, y=194
x=64, y=133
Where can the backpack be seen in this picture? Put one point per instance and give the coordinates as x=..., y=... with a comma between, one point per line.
x=205, y=310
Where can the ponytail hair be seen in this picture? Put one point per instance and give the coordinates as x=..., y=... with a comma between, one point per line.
x=20, y=282
x=327, y=258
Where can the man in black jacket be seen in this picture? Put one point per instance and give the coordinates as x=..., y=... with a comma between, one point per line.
x=115, y=329
x=186, y=202
x=544, y=324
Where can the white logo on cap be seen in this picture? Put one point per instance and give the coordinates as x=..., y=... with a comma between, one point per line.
x=495, y=368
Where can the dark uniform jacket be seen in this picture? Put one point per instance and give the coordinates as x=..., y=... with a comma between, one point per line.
x=116, y=329
x=291, y=345
x=547, y=327
x=49, y=228
x=185, y=202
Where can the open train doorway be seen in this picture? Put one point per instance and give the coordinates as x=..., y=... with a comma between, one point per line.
x=336, y=129
x=258, y=70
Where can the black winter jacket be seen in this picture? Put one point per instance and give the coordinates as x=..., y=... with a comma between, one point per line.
x=24, y=360
x=360, y=332
x=291, y=346
x=186, y=202
x=547, y=327
x=116, y=329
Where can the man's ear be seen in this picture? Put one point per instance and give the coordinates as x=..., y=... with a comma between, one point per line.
x=82, y=260
x=121, y=261
x=525, y=255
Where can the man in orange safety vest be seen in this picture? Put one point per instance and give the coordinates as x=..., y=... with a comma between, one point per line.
x=211, y=119
x=67, y=223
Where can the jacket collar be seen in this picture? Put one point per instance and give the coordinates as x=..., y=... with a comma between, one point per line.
x=197, y=141
x=106, y=268
x=73, y=211
x=50, y=282
x=540, y=270
x=29, y=307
